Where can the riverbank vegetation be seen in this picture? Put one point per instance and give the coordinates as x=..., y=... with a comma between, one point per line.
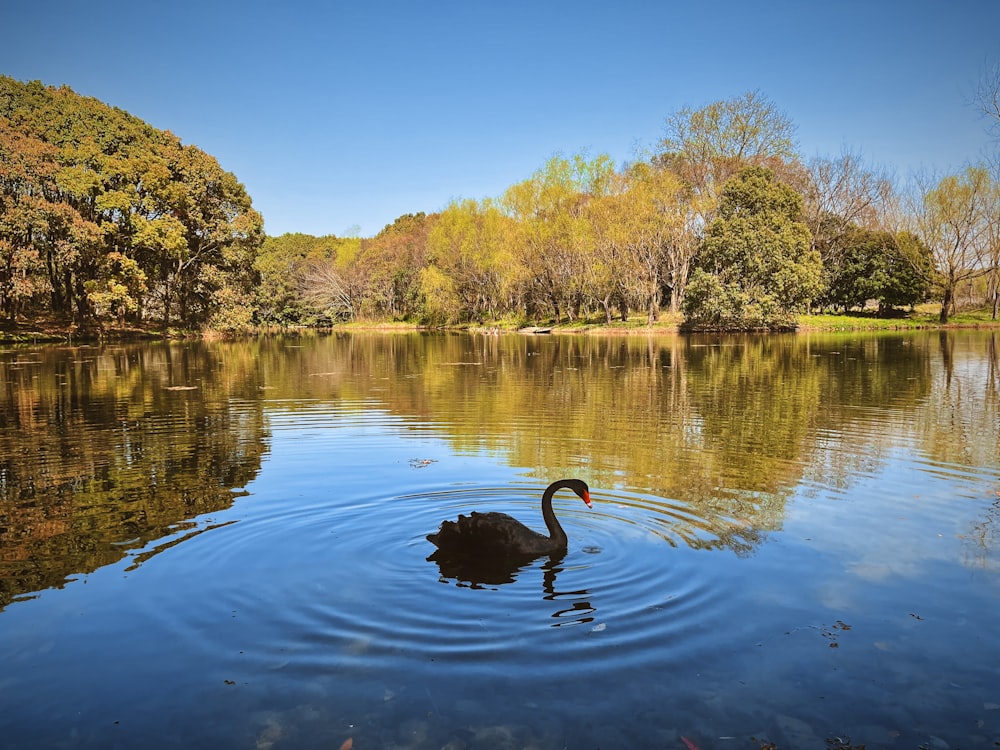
x=106, y=222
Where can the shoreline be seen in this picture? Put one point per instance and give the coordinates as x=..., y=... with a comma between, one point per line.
x=44, y=333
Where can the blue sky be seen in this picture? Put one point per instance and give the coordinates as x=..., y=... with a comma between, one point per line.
x=346, y=115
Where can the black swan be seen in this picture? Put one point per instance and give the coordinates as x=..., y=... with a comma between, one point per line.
x=498, y=534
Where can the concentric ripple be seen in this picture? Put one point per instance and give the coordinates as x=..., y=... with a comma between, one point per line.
x=348, y=585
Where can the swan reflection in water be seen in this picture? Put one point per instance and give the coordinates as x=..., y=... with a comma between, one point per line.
x=479, y=573
x=490, y=549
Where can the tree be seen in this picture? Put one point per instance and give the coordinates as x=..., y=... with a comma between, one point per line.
x=893, y=269
x=222, y=232
x=281, y=265
x=843, y=193
x=27, y=179
x=122, y=218
x=757, y=266
x=988, y=101
x=958, y=223
x=331, y=281
x=555, y=240
x=468, y=245
x=910, y=274
x=642, y=245
x=116, y=292
x=394, y=258
x=709, y=145
x=987, y=97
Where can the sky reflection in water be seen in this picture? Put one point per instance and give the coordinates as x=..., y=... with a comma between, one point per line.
x=793, y=539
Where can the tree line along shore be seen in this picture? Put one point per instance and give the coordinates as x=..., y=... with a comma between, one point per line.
x=111, y=226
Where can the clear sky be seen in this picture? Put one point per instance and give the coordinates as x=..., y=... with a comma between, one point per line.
x=340, y=115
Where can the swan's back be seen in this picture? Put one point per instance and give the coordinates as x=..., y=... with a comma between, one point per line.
x=491, y=534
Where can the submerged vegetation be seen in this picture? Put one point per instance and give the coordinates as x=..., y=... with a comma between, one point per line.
x=106, y=221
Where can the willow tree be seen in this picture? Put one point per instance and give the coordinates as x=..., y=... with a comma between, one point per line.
x=642, y=241
x=609, y=275
x=757, y=267
x=469, y=245
x=959, y=225
x=555, y=236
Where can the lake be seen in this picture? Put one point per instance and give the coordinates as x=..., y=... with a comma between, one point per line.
x=794, y=542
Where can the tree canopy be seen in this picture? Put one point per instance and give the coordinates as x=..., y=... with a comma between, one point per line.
x=103, y=217
x=757, y=267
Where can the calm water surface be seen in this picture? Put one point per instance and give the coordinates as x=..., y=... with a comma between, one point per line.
x=794, y=541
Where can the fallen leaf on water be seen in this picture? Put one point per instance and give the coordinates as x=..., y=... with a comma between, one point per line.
x=348, y=744
x=690, y=745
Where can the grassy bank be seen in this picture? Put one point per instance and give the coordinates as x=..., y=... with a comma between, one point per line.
x=925, y=317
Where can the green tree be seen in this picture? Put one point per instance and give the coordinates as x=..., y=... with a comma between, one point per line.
x=222, y=233
x=281, y=265
x=554, y=236
x=707, y=146
x=867, y=265
x=394, y=258
x=958, y=223
x=123, y=218
x=468, y=244
x=116, y=292
x=757, y=266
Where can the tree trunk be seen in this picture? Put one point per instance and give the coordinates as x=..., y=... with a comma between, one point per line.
x=82, y=303
x=653, y=311
x=166, y=303
x=606, y=304
x=945, y=304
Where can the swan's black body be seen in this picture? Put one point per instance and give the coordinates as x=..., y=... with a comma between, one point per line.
x=500, y=535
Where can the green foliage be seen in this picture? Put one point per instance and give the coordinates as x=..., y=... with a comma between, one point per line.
x=865, y=264
x=106, y=217
x=757, y=268
x=960, y=223
x=233, y=312
x=707, y=146
x=469, y=244
x=116, y=292
x=442, y=300
x=282, y=265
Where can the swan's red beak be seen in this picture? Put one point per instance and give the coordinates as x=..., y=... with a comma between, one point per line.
x=586, y=499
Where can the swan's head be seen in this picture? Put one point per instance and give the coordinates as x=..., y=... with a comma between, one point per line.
x=578, y=486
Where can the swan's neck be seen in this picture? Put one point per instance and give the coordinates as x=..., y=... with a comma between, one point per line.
x=556, y=533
